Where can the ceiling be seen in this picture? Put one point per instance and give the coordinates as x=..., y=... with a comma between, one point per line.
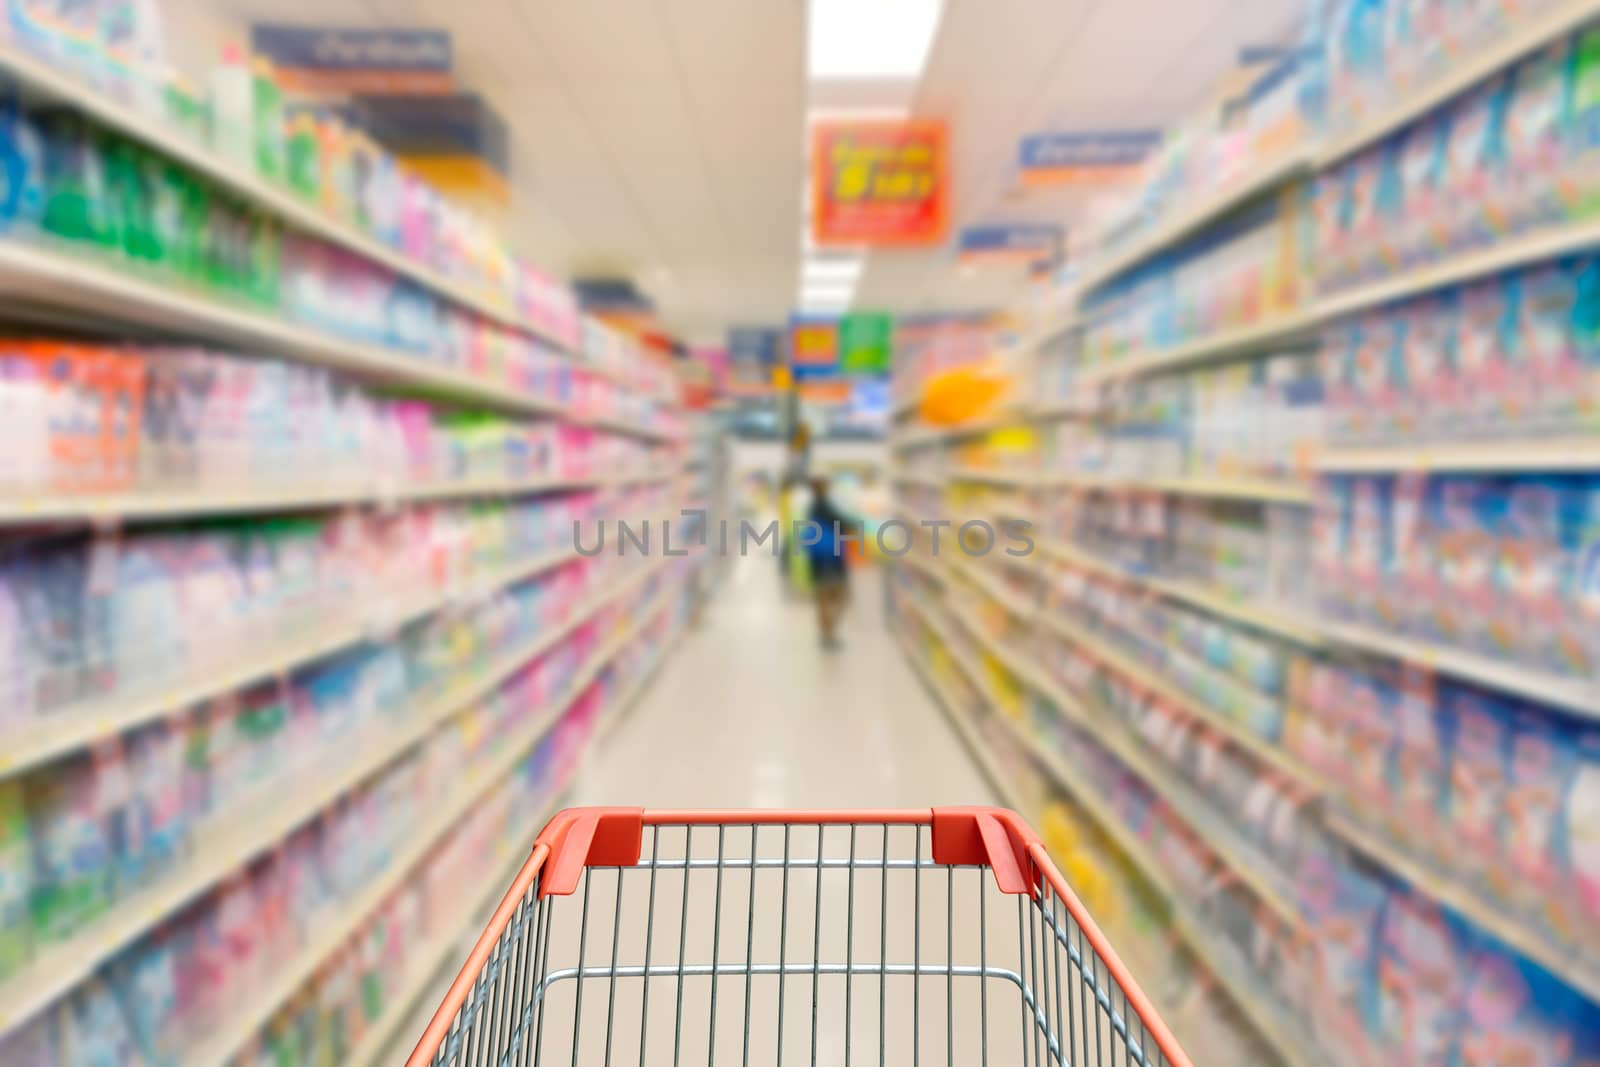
x=664, y=139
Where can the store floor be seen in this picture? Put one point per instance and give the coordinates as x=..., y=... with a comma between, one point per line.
x=750, y=711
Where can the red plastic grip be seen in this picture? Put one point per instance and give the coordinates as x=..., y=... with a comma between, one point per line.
x=588, y=837
x=613, y=837
x=990, y=837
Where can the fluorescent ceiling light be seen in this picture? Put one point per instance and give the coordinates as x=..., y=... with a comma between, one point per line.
x=870, y=38
x=858, y=114
x=819, y=305
x=811, y=294
x=832, y=270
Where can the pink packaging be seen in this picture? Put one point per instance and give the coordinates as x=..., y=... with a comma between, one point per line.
x=1578, y=847
x=1478, y=776
x=1419, y=766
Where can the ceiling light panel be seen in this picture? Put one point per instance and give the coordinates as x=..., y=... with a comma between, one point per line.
x=870, y=39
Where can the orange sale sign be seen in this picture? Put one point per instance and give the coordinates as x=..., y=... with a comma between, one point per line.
x=879, y=183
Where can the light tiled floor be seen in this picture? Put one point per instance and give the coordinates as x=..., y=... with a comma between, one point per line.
x=752, y=712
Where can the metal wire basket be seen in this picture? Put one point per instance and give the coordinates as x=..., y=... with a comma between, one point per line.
x=939, y=935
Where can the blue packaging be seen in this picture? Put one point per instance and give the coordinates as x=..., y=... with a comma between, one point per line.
x=1529, y=569
x=1515, y=1012
x=1526, y=196
x=1466, y=521
x=1547, y=339
x=1543, y=762
x=1422, y=178
x=1480, y=724
x=1476, y=121
x=1487, y=322
x=1369, y=547
x=146, y=984
x=1343, y=908
x=1422, y=961
x=22, y=195
x=1331, y=539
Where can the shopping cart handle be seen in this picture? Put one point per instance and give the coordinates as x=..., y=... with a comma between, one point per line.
x=991, y=837
x=613, y=837
x=588, y=837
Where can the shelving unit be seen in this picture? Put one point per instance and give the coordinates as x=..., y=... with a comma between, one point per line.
x=1293, y=164
x=1575, y=695
x=227, y=844
x=1284, y=331
x=1494, y=55
x=1218, y=488
x=1267, y=618
x=1087, y=393
x=185, y=503
x=50, y=284
x=1282, y=1034
x=39, y=81
x=229, y=1038
x=79, y=726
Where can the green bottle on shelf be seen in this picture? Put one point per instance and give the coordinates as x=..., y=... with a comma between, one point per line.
x=75, y=184
x=304, y=155
x=271, y=153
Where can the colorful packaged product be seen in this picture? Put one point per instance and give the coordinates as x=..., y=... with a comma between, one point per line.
x=1515, y=1013
x=1476, y=120
x=16, y=879
x=1479, y=772
x=1533, y=140
x=1542, y=765
x=1578, y=847
x=1422, y=973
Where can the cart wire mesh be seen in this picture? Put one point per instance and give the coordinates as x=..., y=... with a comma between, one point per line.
x=774, y=942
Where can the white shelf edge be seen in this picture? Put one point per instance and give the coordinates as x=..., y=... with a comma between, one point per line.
x=1549, y=242
x=1278, y=171
x=1280, y=329
x=1264, y=490
x=64, y=965
x=176, y=503
x=1506, y=926
x=46, y=271
x=81, y=725
x=64, y=88
x=1553, y=454
x=227, y=1039
x=1013, y=479
x=1191, y=593
x=1115, y=659
x=1574, y=695
x=1522, y=39
x=38, y=269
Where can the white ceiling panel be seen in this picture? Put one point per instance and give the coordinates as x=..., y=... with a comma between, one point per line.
x=665, y=138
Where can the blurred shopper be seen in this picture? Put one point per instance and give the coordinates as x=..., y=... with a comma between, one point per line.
x=829, y=575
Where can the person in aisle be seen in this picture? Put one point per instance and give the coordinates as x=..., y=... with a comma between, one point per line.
x=830, y=578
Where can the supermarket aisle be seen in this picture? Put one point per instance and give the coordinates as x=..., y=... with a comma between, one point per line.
x=751, y=712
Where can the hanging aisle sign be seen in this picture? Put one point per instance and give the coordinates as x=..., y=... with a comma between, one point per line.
x=1079, y=157
x=879, y=183
x=814, y=349
x=324, y=59
x=865, y=339
x=1023, y=242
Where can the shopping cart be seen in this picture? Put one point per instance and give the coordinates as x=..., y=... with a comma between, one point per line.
x=939, y=935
